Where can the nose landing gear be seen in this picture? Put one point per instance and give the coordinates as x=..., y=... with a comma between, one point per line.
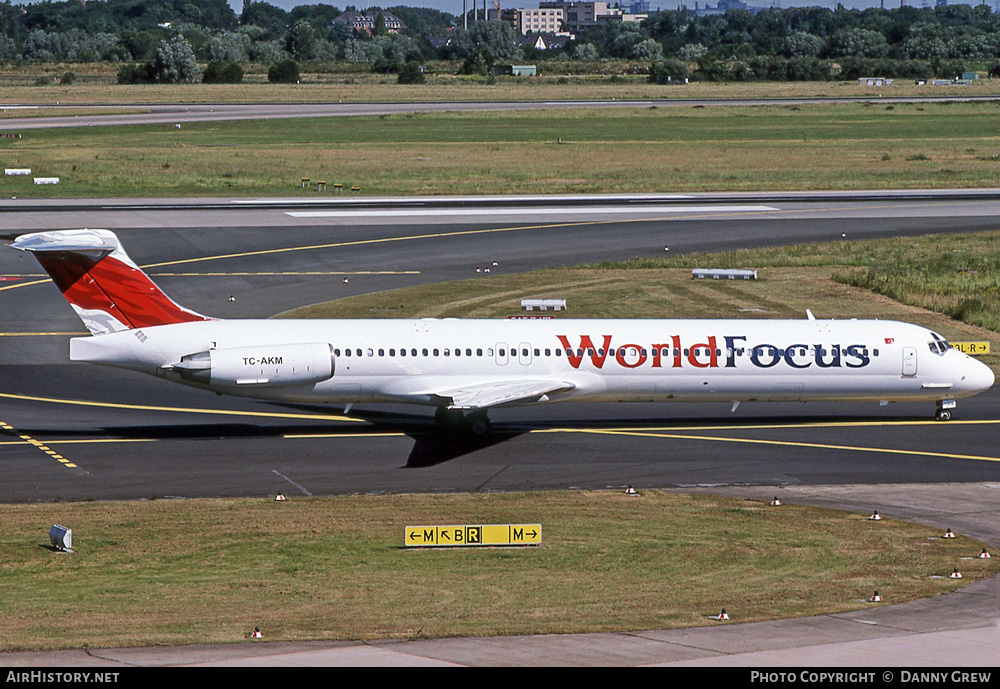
x=944, y=408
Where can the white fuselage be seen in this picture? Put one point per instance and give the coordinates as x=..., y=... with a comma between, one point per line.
x=417, y=361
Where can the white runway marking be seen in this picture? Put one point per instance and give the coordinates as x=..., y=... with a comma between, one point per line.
x=596, y=210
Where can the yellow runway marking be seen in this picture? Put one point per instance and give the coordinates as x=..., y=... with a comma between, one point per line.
x=90, y=441
x=788, y=443
x=23, y=284
x=35, y=443
x=670, y=433
x=708, y=214
x=301, y=436
x=439, y=235
x=181, y=410
x=41, y=334
x=290, y=273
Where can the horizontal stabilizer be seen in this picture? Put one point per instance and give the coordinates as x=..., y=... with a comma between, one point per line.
x=81, y=241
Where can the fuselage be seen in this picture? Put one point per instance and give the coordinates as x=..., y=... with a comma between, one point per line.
x=416, y=361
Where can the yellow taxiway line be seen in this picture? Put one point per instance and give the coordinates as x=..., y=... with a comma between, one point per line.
x=27, y=439
x=666, y=432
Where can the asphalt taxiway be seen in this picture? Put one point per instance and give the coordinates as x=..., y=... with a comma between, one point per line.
x=124, y=436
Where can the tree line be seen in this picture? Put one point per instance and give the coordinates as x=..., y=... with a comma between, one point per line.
x=166, y=40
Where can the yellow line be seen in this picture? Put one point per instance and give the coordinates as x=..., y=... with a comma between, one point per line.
x=292, y=273
x=90, y=441
x=466, y=233
x=182, y=410
x=35, y=443
x=438, y=235
x=40, y=334
x=23, y=284
x=821, y=446
x=300, y=436
x=784, y=426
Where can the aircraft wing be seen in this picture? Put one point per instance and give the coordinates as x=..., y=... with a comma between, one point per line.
x=483, y=395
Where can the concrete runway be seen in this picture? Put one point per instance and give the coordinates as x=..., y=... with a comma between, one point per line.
x=161, y=113
x=134, y=437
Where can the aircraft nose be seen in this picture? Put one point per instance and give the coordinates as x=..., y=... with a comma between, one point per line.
x=978, y=376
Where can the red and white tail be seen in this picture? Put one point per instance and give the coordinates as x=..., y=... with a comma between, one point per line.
x=103, y=285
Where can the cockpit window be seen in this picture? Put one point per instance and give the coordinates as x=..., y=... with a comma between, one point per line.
x=938, y=345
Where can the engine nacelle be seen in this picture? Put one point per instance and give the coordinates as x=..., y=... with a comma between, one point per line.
x=273, y=366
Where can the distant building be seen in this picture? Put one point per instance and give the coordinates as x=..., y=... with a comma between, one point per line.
x=527, y=20
x=581, y=15
x=723, y=7
x=364, y=22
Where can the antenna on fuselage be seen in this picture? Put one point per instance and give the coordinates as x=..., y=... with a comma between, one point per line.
x=809, y=315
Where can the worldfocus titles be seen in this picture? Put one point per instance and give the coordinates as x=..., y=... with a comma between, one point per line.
x=707, y=354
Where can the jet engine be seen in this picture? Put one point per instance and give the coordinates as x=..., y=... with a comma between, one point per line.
x=281, y=365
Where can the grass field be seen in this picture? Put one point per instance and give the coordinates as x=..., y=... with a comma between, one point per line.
x=207, y=571
x=604, y=80
x=648, y=149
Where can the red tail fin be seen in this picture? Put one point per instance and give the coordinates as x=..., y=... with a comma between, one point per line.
x=106, y=289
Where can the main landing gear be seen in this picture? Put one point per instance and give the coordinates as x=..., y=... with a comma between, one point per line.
x=944, y=408
x=475, y=422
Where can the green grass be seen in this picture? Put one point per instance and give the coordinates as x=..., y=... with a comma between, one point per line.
x=95, y=83
x=208, y=571
x=629, y=150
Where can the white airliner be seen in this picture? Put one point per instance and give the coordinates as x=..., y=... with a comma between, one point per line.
x=470, y=366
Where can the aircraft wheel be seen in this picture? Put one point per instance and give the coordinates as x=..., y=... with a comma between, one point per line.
x=479, y=424
x=447, y=417
x=942, y=415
